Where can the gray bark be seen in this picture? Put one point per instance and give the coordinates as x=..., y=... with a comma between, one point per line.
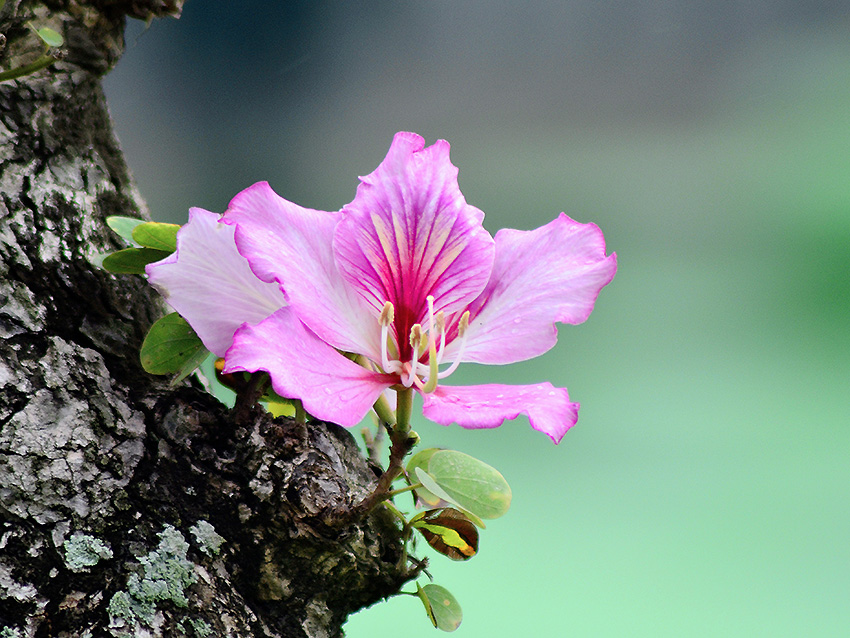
x=108, y=476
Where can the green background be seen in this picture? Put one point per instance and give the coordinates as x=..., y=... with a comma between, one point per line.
x=704, y=491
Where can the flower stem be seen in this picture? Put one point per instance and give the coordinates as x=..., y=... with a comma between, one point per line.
x=300, y=412
x=404, y=409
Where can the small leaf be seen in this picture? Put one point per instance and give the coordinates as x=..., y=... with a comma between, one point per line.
x=50, y=37
x=123, y=225
x=431, y=485
x=273, y=397
x=472, y=484
x=132, y=261
x=157, y=235
x=427, y=603
x=276, y=404
x=192, y=364
x=281, y=407
x=442, y=608
x=171, y=346
x=420, y=460
x=448, y=531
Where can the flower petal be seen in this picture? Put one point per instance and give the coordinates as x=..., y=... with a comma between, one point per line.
x=409, y=233
x=548, y=408
x=292, y=245
x=210, y=284
x=551, y=274
x=302, y=366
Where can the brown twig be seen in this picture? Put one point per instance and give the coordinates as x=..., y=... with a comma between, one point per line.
x=402, y=444
x=248, y=396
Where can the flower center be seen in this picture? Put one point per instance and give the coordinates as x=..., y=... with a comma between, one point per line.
x=423, y=344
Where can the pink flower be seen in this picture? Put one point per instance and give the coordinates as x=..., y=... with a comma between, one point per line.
x=406, y=277
x=210, y=284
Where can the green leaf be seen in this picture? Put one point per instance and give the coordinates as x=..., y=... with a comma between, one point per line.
x=472, y=484
x=157, y=235
x=420, y=460
x=132, y=261
x=449, y=531
x=171, y=347
x=275, y=404
x=442, y=608
x=431, y=485
x=123, y=225
x=50, y=37
x=192, y=364
x=282, y=407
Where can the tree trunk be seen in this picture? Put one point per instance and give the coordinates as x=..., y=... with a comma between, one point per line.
x=129, y=508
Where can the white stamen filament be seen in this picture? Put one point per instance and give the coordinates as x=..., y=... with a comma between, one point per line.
x=461, y=331
x=386, y=364
x=441, y=328
x=430, y=374
x=414, y=372
x=387, y=316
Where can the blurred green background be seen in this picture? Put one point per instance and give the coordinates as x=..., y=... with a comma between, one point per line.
x=704, y=491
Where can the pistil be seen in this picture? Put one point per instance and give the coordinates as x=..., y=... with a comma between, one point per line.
x=410, y=375
x=430, y=384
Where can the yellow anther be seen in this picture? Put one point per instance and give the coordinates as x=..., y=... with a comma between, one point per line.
x=387, y=314
x=441, y=322
x=416, y=337
x=463, y=324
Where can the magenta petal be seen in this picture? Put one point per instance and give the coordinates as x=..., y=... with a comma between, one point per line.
x=210, y=284
x=409, y=233
x=292, y=245
x=302, y=366
x=551, y=274
x=548, y=408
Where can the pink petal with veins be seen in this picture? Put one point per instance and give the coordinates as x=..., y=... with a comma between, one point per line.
x=210, y=284
x=551, y=274
x=302, y=366
x=292, y=245
x=409, y=233
x=548, y=408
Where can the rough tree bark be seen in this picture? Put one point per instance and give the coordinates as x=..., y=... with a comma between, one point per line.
x=109, y=479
